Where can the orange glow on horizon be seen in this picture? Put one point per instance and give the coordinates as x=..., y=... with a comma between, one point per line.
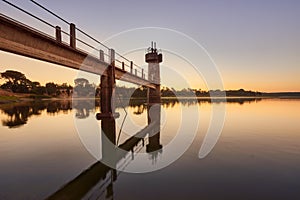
x=44, y=72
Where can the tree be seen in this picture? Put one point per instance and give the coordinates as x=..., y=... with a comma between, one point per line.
x=81, y=81
x=36, y=88
x=13, y=76
x=140, y=92
x=35, y=84
x=64, y=89
x=15, y=81
x=167, y=92
x=83, y=87
x=51, y=88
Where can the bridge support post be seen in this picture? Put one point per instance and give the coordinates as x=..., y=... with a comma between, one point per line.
x=107, y=90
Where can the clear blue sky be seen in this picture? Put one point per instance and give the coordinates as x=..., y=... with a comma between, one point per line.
x=255, y=43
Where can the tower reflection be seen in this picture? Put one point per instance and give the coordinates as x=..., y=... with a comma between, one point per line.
x=97, y=182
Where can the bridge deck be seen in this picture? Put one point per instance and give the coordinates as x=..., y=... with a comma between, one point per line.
x=21, y=39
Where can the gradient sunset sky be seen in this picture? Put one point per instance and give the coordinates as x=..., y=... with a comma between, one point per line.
x=255, y=44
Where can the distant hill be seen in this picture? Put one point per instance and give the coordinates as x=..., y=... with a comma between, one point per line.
x=281, y=94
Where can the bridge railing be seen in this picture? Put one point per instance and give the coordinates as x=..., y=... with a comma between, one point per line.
x=129, y=66
x=102, y=52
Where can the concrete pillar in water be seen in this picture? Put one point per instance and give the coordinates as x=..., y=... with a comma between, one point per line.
x=107, y=89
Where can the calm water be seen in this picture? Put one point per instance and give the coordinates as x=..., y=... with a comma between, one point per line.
x=256, y=157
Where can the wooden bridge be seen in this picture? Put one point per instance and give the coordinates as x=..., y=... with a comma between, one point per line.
x=22, y=39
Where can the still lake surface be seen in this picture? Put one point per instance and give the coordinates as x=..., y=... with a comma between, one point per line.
x=257, y=155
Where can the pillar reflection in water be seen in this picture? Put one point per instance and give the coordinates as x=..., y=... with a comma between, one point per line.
x=101, y=176
x=154, y=112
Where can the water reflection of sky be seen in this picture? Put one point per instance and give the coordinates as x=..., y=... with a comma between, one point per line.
x=257, y=155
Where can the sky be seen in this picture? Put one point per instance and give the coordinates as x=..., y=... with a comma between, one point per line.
x=213, y=44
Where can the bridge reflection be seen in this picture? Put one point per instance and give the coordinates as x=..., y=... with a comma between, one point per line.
x=98, y=180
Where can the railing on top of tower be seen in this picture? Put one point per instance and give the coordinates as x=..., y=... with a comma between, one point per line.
x=153, y=49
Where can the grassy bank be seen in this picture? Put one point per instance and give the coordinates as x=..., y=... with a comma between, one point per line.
x=9, y=99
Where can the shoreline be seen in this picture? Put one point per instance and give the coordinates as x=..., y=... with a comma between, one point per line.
x=18, y=98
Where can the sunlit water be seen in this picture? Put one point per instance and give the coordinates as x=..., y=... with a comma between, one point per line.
x=256, y=157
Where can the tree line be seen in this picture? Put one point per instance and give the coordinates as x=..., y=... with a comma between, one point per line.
x=189, y=92
x=17, y=82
